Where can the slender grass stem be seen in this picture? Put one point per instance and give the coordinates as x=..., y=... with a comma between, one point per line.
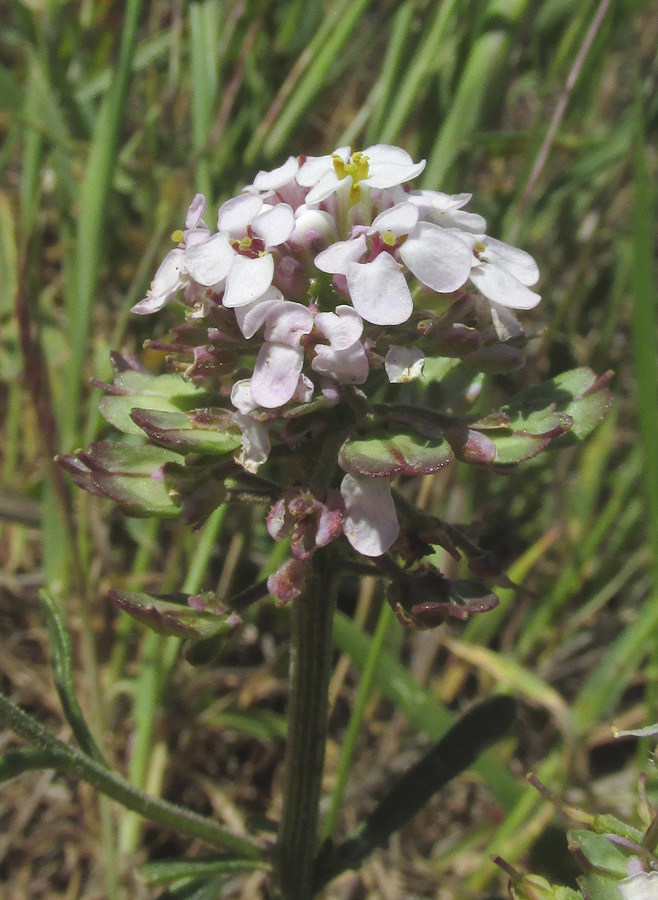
x=113, y=785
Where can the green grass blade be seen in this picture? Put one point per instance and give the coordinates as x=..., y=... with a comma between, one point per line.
x=94, y=195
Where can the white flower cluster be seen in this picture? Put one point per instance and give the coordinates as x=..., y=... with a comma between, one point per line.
x=349, y=218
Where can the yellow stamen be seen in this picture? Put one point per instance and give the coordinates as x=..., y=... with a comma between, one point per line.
x=479, y=248
x=177, y=236
x=357, y=166
x=389, y=239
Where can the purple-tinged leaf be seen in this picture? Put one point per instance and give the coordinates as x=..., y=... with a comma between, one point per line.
x=382, y=454
x=204, y=431
x=197, y=616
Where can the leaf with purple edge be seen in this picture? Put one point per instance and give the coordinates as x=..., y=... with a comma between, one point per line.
x=195, y=617
x=210, y=431
x=382, y=454
x=139, y=390
x=131, y=475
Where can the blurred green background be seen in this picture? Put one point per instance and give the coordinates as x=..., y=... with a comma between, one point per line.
x=112, y=115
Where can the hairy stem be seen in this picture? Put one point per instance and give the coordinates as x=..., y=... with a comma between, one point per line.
x=310, y=668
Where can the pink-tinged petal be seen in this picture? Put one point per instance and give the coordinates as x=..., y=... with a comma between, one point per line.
x=275, y=225
x=390, y=166
x=517, y=262
x=404, y=364
x=270, y=181
x=335, y=259
x=289, y=581
x=248, y=279
x=168, y=280
x=330, y=391
x=437, y=258
x=208, y=262
x=499, y=286
x=325, y=187
x=255, y=443
x=251, y=317
x=400, y=219
x=379, y=291
x=330, y=521
x=241, y=396
x=342, y=328
x=236, y=214
x=279, y=520
x=195, y=211
x=276, y=374
x=304, y=390
x=287, y=322
x=346, y=366
x=371, y=523
x=641, y=886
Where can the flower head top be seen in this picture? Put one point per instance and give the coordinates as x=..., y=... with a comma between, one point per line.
x=327, y=273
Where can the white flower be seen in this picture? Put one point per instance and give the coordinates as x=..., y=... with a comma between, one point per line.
x=371, y=523
x=172, y=275
x=236, y=259
x=380, y=166
x=503, y=273
x=639, y=887
x=404, y=364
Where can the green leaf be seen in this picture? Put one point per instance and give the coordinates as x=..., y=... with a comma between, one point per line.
x=578, y=393
x=139, y=390
x=205, y=431
x=179, y=615
x=382, y=454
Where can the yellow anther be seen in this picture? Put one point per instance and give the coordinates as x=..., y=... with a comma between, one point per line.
x=245, y=243
x=177, y=236
x=357, y=167
x=389, y=239
x=479, y=248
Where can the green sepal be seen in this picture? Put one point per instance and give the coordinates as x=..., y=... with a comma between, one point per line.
x=132, y=476
x=210, y=431
x=194, y=617
x=599, y=887
x=599, y=852
x=139, y=390
x=382, y=453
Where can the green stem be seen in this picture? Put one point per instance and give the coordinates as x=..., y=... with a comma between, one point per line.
x=113, y=785
x=310, y=668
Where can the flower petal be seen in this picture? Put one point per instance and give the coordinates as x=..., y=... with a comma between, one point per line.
x=371, y=523
x=335, y=259
x=167, y=281
x=274, y=225
x=236, y=214
x=379, y=291
x=287, y=322
x=348, y=366
x=400, y=219
x=437, y=258
x=248, y=279
x=253, y=315
x=255, y=443
x=404, y=364
x=342, y=328
x=517, y=262
x=326, y=186
x=208, y=262
x=501, y=287
x=276, y=374
x=195, y=211
x=270, y=181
